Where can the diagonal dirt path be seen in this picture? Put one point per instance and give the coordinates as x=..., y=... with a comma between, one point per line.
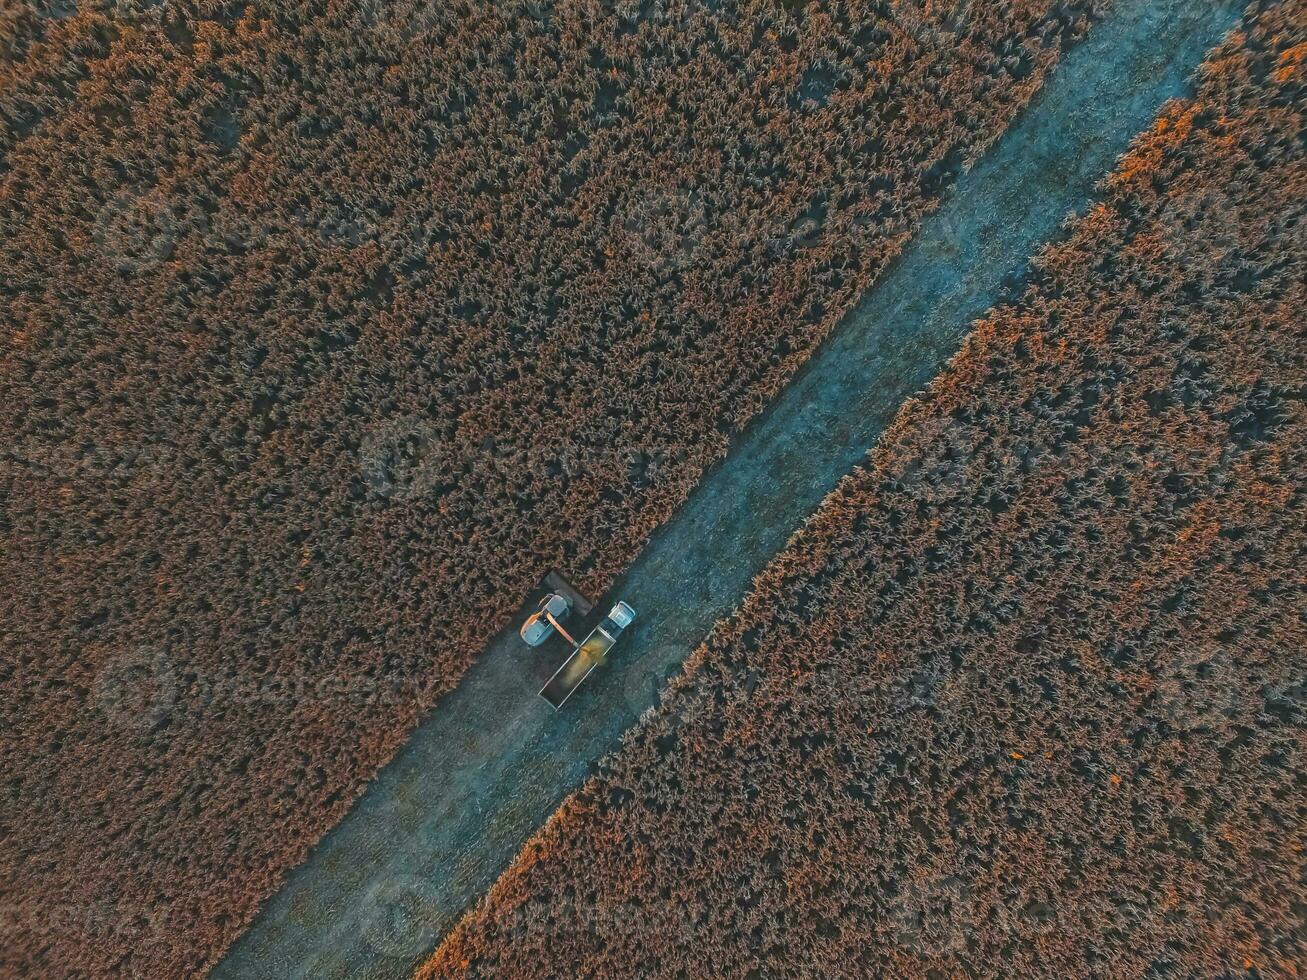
x=492, y=763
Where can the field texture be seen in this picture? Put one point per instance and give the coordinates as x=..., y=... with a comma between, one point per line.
x=1025, y=697
x=328, y=328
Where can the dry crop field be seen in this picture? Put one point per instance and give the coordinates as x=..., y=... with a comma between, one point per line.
x=1025, y=696
x=328, y=327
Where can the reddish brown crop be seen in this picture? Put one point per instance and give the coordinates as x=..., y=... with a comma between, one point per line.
x=330, y=326
x=1025, y=697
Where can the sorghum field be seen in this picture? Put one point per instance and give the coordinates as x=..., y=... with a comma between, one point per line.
x=1025, y=697
x=329, y=327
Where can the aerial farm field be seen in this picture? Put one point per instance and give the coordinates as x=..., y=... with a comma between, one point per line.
x=1025, y=696
x=328, y=328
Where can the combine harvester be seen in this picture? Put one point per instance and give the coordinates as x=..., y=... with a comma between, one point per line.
x=586, y=655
